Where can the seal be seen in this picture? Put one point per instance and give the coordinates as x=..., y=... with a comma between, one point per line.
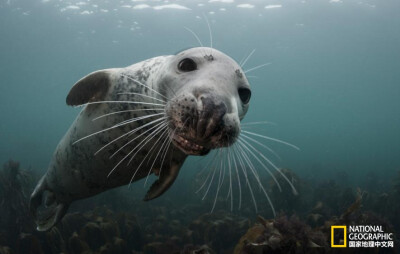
x=139, y=120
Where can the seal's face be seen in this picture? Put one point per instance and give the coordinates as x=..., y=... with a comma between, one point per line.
x=209, y=96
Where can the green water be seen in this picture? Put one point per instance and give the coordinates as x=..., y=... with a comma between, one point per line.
x=332, y=88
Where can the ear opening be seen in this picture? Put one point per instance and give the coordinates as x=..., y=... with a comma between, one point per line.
x=90, y=88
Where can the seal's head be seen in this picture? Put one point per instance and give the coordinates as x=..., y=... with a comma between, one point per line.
x=209, y=96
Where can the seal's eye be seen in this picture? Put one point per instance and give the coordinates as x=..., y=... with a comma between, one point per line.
x=187, y=65
x=244, y=94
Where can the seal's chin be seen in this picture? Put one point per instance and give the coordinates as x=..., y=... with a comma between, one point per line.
x=188, y=146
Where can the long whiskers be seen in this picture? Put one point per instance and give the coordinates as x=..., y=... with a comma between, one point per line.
x=210, y=32
x=126, y=156
x=211, y=163
x=258, y=123
x=127, y=111
x=195, y=35
x=163, y=132
x=243, y=144
x=117, y=125
x=252, y=169
x=261, y=144
x=238, y=178
x=230, y=191
x=273, y=139
x=257, y=67
x=130, y=133
x=219, y=184
x=141, y=84
x=166, y=133
x=121, y=102
x=212, y=178
x=242, y=64
x=147, y=140
x=243, y=159
x=274, y=166
x=143, y=95
x=166, y=151
x=242, y=166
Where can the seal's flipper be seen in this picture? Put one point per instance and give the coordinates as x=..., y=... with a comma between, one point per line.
x=166, y=179
x=51, y=216
x=45, y=208
x=92, y=87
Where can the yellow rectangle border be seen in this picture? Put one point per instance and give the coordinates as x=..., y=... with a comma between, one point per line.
x=344, y=237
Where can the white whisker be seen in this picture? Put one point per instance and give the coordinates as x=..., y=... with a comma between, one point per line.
x=120, y=102
x=165, y=128
x=126, y=156
x=260, y=184
x=238, y=178
x=195, y=35
x=258, y=123
x=212, y=179
x=166, y=131
x=273, y=139
x=129, y=133
x=148, y=153
x=261, y=144
x=141, y=134
x=239, y=155
x=257, y=67
x=140, y=83
x=273, y=165
x=135, y=119
x=143, y=95
x=218, y=187
x=249, y=162
x=166, y=151
x=210, y=32
x=116, y=126
x=147, y=140
x=230, y=178
x=211, y=163
x=241, y=61
x=222, y=166
x=247, y=58
x=259, y=161
x=126, y=111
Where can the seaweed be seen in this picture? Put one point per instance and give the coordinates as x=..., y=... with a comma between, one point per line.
x=15, y=186
x=116, y=222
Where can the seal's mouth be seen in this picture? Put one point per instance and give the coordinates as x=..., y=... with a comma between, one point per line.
x=189, y=147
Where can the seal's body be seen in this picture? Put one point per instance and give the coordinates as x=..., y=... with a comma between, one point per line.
x=142, y=119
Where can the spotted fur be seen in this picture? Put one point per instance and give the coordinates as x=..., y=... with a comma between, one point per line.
x=79, y=170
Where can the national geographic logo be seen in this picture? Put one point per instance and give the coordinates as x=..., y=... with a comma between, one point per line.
x=338, y=236
x=360, y=236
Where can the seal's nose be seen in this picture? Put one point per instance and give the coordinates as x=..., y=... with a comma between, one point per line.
x=211, y=113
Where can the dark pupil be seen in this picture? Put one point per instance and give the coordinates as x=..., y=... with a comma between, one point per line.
x=187, y=64
x=244, y=95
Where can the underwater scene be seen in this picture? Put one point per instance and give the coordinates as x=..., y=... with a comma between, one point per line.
x=203, y=126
